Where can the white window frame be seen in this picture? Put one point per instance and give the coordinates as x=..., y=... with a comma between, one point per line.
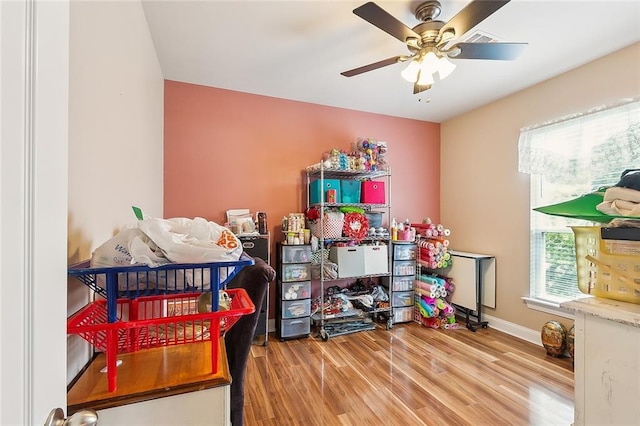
x=628, y=111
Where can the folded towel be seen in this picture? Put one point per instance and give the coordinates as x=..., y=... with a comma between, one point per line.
x=619, y=201
x=619, y=193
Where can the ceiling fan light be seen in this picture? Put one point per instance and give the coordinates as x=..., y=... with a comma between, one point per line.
x=445, y=67
x=410, y=73
x=425, y=78
x=429, y=63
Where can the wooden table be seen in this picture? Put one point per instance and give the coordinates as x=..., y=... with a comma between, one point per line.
x=170, y=385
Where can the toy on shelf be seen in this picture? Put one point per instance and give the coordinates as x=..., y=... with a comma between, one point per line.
x=365, y=155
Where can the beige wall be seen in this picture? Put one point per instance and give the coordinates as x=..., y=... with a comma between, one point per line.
x=115, y=131
x=485, y=201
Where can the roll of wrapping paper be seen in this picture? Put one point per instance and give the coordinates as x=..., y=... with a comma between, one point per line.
x=431, y=290
x=432, y=279
x=426, y=286
x=425, y=263
x=433, y=310
x=423, y=292
x=425, y=309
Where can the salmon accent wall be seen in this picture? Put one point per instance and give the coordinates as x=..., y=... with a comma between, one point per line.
x=225, y=149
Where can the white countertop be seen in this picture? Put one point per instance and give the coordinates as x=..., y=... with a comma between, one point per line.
x=613, y=310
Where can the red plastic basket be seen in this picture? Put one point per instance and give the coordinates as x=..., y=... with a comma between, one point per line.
x=156, y=321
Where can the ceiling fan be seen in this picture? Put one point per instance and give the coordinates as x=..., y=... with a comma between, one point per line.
x=432, y=43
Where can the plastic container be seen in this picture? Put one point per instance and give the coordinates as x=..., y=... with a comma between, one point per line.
x=156, y=321
x=607, y=268
x=139, y=297
x=375, y=219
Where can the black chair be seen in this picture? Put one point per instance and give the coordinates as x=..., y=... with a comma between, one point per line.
x=254, y=279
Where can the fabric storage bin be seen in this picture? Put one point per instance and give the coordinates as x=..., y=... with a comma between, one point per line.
x=403, y=298
x=607, y=268
x=317, y=194
x=350, y=191
x=350, y=261
x=376, y=260
x=372, y=192
x=296, y=290
x=296, y=308
x=295, y=327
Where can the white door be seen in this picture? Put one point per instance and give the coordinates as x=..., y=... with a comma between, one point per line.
x=34, y=48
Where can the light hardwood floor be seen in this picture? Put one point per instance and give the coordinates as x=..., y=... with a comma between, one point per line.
x=409, y=375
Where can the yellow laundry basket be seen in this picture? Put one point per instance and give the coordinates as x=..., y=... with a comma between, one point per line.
x=608, y=268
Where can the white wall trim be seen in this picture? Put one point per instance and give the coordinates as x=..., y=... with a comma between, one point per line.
x=515, y=330
x=547, y=307
x=29, y=209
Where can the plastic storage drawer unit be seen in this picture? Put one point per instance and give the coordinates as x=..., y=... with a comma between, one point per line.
x=296, y=272
x=296, y=254
x=404, y=252
x=403, y=314
x=404, y=267
x=296, y=308
x=403, y=283
x=403, y=298
x=296, y=290
x=295, y=327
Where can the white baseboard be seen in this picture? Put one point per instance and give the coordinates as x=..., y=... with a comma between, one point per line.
x=515, y=330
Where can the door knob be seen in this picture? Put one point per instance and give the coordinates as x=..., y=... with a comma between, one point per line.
x=81, y=418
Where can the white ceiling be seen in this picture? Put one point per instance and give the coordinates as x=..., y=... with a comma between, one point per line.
x=297, y=49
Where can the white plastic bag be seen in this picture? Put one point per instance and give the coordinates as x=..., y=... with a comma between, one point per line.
x=130, y=245
x=195, y=240
x=119, y=249
x=156, y=242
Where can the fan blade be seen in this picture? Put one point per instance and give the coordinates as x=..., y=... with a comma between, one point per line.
x=373, y=66
x=417, y=88
x=377, y=16
x=497, y=51
x=474, y=13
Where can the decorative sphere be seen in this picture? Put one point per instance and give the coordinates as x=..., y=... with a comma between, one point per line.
x=554, y=336
x=570, y=340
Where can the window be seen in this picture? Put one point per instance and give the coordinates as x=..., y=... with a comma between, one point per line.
x=568, y=158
